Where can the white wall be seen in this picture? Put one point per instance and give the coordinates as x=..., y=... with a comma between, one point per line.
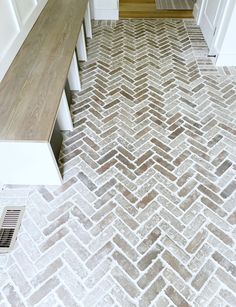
x=226, y=42
x=16, y=20
x=223, y=42
x=105, y=9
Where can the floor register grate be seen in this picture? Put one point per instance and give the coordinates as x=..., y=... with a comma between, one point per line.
x=9, y=227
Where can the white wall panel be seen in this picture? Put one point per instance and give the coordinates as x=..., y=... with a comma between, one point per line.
x=8, y=27
x=17, y=17
x=25, y=8
x=106, y=4
x=221, y=14
x=105, y=9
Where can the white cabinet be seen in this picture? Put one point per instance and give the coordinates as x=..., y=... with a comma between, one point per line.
x=25, y=8
x=105, y=9
x=217, y=20
x=210, y=19
x=16, y=20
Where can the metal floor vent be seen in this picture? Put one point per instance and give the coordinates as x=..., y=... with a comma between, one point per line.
x=9, y=226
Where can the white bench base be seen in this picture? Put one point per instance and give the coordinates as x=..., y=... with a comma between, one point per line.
x=28, y=163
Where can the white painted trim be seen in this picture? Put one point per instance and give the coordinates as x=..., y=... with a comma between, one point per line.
x=73, y=75
x=81, y=46
x=91, y=4
x=64, y=116
x=87, y=22
x=24, y=30
x=197, y=10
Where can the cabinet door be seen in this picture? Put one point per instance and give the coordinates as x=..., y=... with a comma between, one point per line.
x=209, y=19
x=16, y=20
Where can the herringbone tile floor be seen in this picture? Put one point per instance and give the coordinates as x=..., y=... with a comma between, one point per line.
x=147, y=214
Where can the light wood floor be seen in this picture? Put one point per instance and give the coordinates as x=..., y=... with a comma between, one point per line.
x=147, y=9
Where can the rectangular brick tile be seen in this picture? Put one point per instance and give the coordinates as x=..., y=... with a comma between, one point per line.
x=220, y=234
x=46, y=288
x=47, y=273
x=129, y=251
x=152, y=292
x=106, y=187
x=197, y=241
x=122, y=297
x=176, y=265
x=12, y=296
x=203, y=275
x=149, y=241
x=89, y=184
x=210, y=194
x=125, y=283
x=165, y=173
x=99, y=255
x=229, y=190
x=127, y=219
x=78, y=248
x=126, y=265
x=152, y=272
x=226, y=279
x=81, y=217
x=228, y=296
x=223, y=167
x=104, y=223
x=147, y=260
x=225, y=263
x=57, y=236
x=232, y=218
x=147, y=199
x=211, y=205
x=18, y=279
x=176, y=298
x=66, y=297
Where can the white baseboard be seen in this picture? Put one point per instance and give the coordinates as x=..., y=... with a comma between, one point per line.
x=106, y=14
x=226, y=59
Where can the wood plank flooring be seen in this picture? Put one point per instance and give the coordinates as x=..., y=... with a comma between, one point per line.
x=147, y=9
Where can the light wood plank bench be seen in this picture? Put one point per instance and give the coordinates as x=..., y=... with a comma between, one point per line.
x=32, y=98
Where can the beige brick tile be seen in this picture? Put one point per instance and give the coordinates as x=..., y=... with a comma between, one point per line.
x=203, y=275
x=152, y=272
x=125, y=283
x=46, y=288
x=99, y=255
x=150, y=256
x=146, y=213
x=65, y=297
x=152, y=292
x=176, y=265
x=12, y=296
x=175, y=297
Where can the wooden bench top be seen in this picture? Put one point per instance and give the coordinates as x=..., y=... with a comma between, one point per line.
x=31, y=90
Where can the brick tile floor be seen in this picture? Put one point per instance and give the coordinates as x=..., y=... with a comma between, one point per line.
x=147, y=212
